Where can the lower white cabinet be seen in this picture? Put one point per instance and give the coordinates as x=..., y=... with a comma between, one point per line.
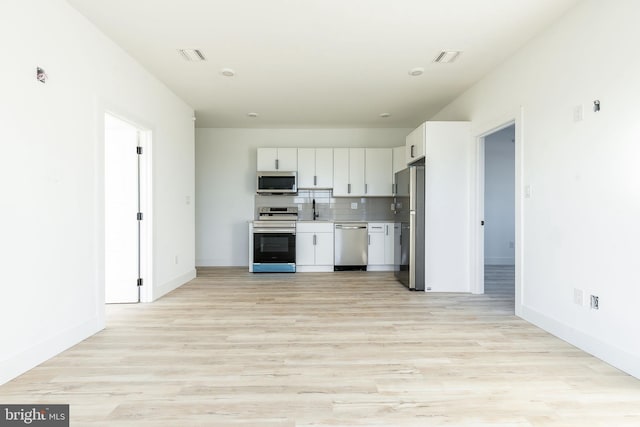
x=381, y=246
x=314, y=246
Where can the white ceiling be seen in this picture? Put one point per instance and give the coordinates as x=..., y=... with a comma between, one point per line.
x=319, y=63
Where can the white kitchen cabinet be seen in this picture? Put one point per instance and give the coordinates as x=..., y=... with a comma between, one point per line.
x=399, y=158
x=315, y=168
x=314, y=246
x=277, y=159
x=436, y=133
x=376, y=244
x=389, y=243
x=399, y=163
x=381, y=246
x=397, y=243
x=348, y=172
x=305, y=249
x=416, y=144
x=378, y=172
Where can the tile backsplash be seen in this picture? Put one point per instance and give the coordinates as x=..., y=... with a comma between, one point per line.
x=331, y=208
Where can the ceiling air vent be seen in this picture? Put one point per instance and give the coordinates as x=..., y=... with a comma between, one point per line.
x=447, y=56
x=191, y=54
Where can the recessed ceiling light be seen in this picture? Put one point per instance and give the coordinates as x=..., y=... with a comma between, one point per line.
x=252, y=115
x=385, y=115
x=447, y=56
x=192, y=55
x=416, y=71
x=227, y=72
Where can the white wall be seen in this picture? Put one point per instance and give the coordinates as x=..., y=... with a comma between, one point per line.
x=226, y=174
x=499, y=197
x=580, y=226
x=51, y=169
x=449, y=147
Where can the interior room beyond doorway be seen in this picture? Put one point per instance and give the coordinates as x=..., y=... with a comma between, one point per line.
x=499, y=211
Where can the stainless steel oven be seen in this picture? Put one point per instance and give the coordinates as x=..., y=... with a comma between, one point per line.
x=274, y=241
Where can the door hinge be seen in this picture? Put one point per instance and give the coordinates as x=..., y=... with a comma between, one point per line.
x=139, y=216
x=481, y=222
x=140, y=282
x=138, y=150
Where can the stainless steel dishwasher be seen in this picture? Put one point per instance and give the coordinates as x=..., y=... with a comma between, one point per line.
x=351, y=246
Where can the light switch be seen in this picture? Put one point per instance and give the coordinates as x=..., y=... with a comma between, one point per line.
x=577, y=113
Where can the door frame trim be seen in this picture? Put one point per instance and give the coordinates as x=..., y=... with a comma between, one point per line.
x=145, y=133
x=479, y=132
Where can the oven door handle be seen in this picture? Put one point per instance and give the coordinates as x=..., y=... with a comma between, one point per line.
x=273, y=231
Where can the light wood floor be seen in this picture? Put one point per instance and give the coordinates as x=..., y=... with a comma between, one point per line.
x=333, y=349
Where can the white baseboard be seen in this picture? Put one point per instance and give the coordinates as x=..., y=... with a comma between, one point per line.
x=165, y=288
x=28, y=358
x=314, y=268
x=500, y=261
x=614, y=356
x=379, y=267
x=211, y=262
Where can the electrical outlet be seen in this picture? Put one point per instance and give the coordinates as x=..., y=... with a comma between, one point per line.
x=354, y=205
x=595, y=302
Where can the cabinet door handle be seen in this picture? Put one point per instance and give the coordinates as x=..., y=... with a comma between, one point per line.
x=412, y=147
x=315, y=180
x=277, y=165
x=314, y=240
x=349, y=188
x=365, y=189
x=386, y=230
x=369, y=243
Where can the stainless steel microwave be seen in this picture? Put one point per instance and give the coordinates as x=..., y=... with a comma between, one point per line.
x=277, y=182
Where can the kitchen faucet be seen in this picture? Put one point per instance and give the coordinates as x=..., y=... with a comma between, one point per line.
x=315, y=214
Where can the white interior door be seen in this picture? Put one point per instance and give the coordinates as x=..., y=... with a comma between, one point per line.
x=122, y=256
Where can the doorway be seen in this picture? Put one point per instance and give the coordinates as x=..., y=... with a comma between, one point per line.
x=125, y=201
x=499, y=214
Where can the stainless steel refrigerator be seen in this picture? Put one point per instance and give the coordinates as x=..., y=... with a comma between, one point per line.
x=410, y=221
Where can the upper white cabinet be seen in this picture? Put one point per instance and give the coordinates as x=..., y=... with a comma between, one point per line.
x=378, y=172
x=399, y=163
x=399, y=158
x=415, y=144
x=348, y=172
x=277, y=159
x=315, y=168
